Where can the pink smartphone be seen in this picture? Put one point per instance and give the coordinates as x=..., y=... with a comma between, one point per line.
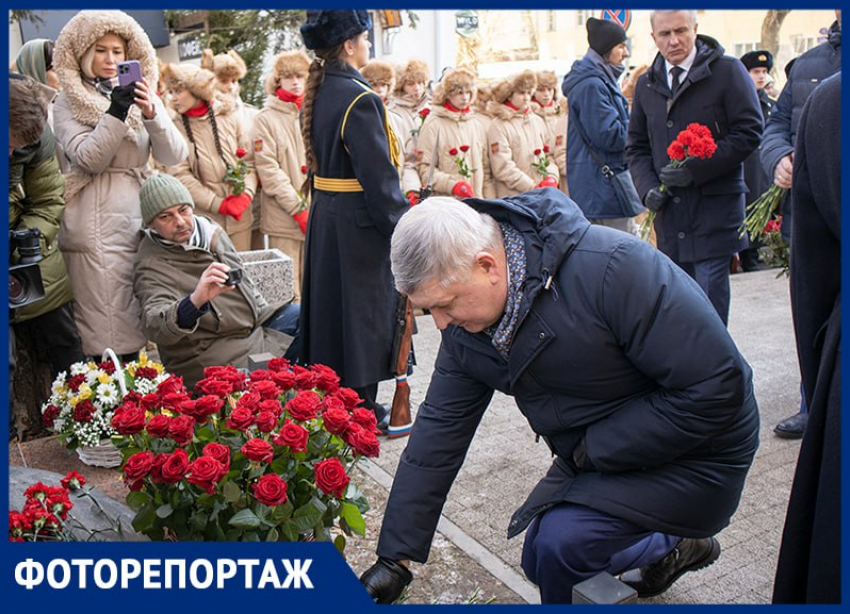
x=129, y=72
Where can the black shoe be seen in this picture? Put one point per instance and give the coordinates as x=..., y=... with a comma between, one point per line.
x=382, y=414
x=688, y=555
x=793, y=427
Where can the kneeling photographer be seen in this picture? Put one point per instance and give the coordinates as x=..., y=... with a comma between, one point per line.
x=197, y=305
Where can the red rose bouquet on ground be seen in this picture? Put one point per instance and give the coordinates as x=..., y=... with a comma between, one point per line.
x=261, y=457
x=695, y=141
x=774, y=250
x=235, y=175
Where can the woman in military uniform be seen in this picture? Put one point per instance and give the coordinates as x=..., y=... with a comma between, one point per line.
x=348, y=296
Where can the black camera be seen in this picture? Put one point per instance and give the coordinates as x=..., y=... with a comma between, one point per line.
x=234, y=277
x=25, y=285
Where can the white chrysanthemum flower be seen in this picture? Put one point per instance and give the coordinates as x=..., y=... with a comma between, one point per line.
x=78, y=367
x=107, y=396
x=93, y=376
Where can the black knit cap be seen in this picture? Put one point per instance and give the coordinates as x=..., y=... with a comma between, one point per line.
x=603, y=35
x=326, y=29
x=757, y=59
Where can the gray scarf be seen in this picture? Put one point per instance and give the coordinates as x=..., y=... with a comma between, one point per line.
x=502, y=334
x=202, y=232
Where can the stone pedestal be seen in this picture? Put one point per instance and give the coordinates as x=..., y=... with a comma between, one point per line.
x=271, y=272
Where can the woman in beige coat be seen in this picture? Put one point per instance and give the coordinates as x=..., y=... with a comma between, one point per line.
x=218, y=142
x=107, y=137
x=381, y=76
x=462, y=167
x=519, y=156
x=551, y=107
x=280, y=161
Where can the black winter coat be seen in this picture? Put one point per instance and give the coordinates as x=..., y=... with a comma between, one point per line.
x=700, y=221
x=805, y=73
x=348, y=296
x=614, y=343
x=809, y=566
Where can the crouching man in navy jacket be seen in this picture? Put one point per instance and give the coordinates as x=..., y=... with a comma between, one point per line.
x=616, y=359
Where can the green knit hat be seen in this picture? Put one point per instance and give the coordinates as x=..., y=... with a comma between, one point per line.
x=160, y=192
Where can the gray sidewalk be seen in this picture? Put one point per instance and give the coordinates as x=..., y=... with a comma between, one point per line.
x=471, y=550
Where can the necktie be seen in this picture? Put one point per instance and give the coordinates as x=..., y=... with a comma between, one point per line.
x=676, y=74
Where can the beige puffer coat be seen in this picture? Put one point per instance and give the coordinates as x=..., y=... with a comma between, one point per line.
x=203, y=171
x=408, y=176
x=513, y=137
x=409, y=121
x=455, y=129
x=279, y=158
x=107, y=162
x=555, y=116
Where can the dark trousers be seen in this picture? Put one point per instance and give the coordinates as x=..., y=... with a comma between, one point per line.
x=712, y=275
x=287, y=320
x=572, y=543
x=55, y=336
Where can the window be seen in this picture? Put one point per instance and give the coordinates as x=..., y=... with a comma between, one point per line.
x=742, y=48
x=550, y=21
x=582, y=16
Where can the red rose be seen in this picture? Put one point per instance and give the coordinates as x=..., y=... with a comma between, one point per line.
x=331, y=478
x=536, y=152
x=205, y=472
x=326, y=378
x=214, y=387
x=284, y=379
x=181, y=429
x=303, y=169
x=137, y=468
x=146, y=373
x=336, y=420
x=545, y=149
x=250, y=401
x=266, y=421
x=278, y=363
x=258, y=450
x=158, y=426
x=270, y=490
x=174, y=384
x=304, y=378
x=259, y=375
x=365, y=442
x=174, y=466
x=676, y=150
x=83, y=411
x=128, y=420
x=349, y=397
x=73, y=481
x=365, y=418
x=219, y=452
x=464, y=148
x=174, y=400
x=149, y=401
x=272, y=406
x=267, y=389
x=156, y=468
x=305, y=405
x=240, y=153
x=230, y=374
x=239, y=419
x=294, y=436
x=453, y=151
x=424, y=112
x=205, y=407
x=76, y=381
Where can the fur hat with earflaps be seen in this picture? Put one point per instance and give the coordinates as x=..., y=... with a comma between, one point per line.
x=458, y=80
x=287, y=64
x=548, y=78
x=526, y=80
x=199, y=81
x=379, y=73
x=228, y=65
x=415, y=71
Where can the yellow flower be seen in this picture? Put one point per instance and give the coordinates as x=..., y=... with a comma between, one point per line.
x=85, y=391
x=104, y=378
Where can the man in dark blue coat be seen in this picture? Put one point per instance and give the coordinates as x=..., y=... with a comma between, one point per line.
x=699, y=205
x=596, y=132
x=777, y=153
x=617, y=361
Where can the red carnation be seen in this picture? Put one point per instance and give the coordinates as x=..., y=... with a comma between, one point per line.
x=146, y=373
x=73, y=481
x=84, y=411
x=676, y=151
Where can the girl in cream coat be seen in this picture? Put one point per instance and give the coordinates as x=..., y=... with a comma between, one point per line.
x=107, y=161
x=215, y=134
x=409, y=99
x=461, y=137
x=280, y=161
x=551, y=107
x=518, y=151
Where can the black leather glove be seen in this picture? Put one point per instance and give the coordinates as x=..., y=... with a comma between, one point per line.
x=655, y=199
x=679, y=176
x=122, y=99
x=385, y=580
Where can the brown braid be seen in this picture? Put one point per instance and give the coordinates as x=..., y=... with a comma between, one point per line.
x=214, y=126
x=314, y=79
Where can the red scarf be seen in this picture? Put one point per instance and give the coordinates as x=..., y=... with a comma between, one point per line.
x=287, y=96
x=202, y=109
x=454, y=109
x=515, y=108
